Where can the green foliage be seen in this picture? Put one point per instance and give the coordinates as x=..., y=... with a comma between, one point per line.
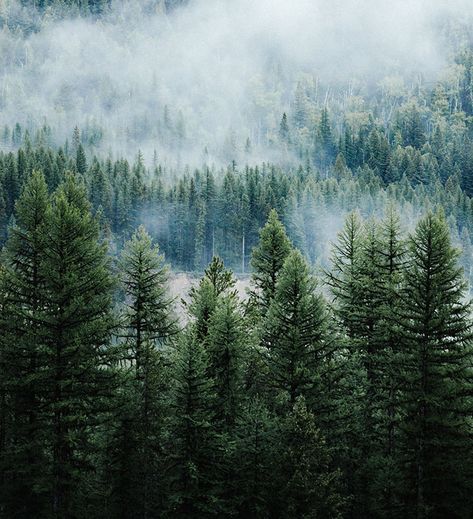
x=192, y=451
x=268, y=258
x=147, y=324
x=310, y=486
x=295, y=330
x=436, y=332
x=22, y=358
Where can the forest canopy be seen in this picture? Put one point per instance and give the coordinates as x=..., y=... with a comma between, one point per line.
x=306, y=168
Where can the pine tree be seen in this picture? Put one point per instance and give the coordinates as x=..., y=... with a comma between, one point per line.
x=295, y=331
x=388, y=366
x=217, y=281
x=308, y=484
x=81, y=161
x=353, y=322
x=75, y=326
x=148, y=320
x=191, y=451
x=226, y=354
x=436, y=333
x=23, y=381
x=147, y=324
x=343, y=274
x=255, y=456
x=267, y=260
x=284, y=130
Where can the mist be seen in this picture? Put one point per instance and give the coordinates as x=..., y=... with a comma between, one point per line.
x=196, y=83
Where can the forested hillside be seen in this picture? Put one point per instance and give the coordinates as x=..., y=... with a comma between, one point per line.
x=323, y=154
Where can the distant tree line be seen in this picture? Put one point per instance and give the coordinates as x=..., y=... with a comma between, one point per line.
x=196, y=215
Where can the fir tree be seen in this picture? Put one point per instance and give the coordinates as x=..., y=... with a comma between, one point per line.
x=147, y=324
x=436, y=332
x=295, y=330
x=191, y=451
x=22, y=282
x=308, y=483
x=75, y=326
x=343, y=274
x=255, y=457
x=217, y=281
x=226, y=354
x=268, y=258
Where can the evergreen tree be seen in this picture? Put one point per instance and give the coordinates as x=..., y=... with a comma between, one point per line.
x=81, y=161
x=255, y=456
x=284, y=130
x=308, y=483
x=23, y=428
x=217, y=281
x=295, y=331
x=436, y=333
x=147, y=323
x=193, y=444
x=226, y=353
x=268, y=258
x=75, y=323
x=344, y=272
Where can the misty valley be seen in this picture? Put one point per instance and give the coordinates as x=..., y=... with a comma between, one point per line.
x=236, y=259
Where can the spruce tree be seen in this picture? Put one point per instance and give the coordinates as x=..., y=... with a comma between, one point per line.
x=23, y=382
x=294, y=331
x=342, y=278
x=226, y=345
x=217, y=281
x=147, y=325
x=75, y=326
x=267, y=260
x=309, y=487
x=226, y=353
x=256, y=457
x=192, y=448
x=387, y=408
x=436, y=333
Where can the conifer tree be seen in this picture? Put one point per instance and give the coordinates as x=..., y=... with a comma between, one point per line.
x=81, y=161
x=226, y=354
x=284, y=130
x=22, y=281
x=309, y=486
x=191, y=451
x=217, y=281
x=255, y=456
x=342, y=278
x=295, y=329
x=388, y=362
x=147, y=324
x=75, y=326
x=436, y=333
x=268, y=258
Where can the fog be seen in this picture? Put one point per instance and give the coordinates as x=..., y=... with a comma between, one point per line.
x=196, y=83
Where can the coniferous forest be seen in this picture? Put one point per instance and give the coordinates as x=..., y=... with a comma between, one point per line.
x=307, y=169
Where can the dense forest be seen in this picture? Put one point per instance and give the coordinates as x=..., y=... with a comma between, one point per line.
x=339, y=382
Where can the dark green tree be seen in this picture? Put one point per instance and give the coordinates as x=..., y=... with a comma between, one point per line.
x=23, y=383
x=75, y=323
x=436, y=332
x=193, y=445
x=267, y=260
x=295, y=329
x=308, y=484
x=147, y=324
